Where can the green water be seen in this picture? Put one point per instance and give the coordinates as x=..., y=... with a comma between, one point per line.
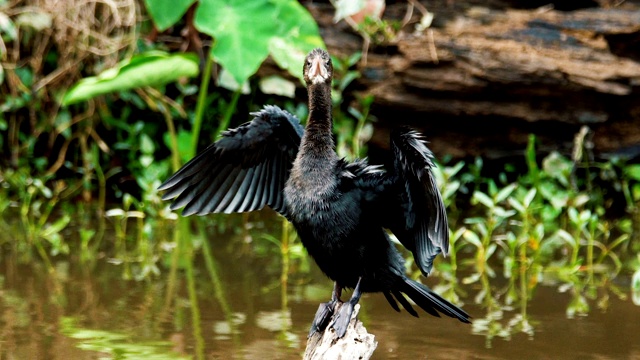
x=88, y=310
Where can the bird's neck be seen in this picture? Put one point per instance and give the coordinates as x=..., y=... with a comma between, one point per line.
x=317, y=157
x=320, y=122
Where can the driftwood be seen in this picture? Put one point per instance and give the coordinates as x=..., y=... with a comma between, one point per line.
x=481, y=79
x=357, y=343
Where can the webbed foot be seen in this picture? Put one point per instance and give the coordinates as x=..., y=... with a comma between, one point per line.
x=325, y=311
x=323, y=315
x=341, y=320
x=343, y=317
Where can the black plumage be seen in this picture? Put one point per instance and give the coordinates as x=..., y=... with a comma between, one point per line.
x=339, y=209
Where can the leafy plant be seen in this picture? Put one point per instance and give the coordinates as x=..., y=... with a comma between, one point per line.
x=152, y=68
x=245, y=32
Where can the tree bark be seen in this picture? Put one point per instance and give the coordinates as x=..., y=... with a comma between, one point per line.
x=481, y=79
x=357, y=343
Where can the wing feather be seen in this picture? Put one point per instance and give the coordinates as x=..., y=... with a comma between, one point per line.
x=245, y=170
x=420, y=222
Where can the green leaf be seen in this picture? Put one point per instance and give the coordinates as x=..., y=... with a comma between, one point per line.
x=227, y=81
x=505, y=192
x=297, y=34
x=184, y=144
x=278, y=85
x=490, y=250
x=635, y=288
x=501, y=212
x=7, y=27
x=528, y=199
x=516, y=205
x=633, y=171
x=472, y=238
x=483, y=198
x=573, y=215
x=635, y=192
x=246, y=31
x=166, y=13
x=558, y=167
x=242, y=30
x=56, y=227
x=146, y=144
x=149, y=69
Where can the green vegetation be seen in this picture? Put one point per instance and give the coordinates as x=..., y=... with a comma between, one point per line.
x=549, y=225
x=89, y=136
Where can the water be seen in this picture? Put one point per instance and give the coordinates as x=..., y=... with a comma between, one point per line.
x=88, y=311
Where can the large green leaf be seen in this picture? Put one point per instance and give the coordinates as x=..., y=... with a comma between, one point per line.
x=241, y=30
x=297, y=35
x=246, y=31
x=167, y=12
x=149, y=69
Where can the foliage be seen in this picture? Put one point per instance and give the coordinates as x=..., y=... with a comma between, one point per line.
x=246, y=32
x=123, y=131
x=153, y=68
x=548, y=224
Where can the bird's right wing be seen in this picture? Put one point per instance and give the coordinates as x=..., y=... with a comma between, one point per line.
x=243, y=171
x=418, y=218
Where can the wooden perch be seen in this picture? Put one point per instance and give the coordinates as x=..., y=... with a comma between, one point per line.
x=357, y=343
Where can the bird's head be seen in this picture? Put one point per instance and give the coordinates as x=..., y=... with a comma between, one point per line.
x=318, y=67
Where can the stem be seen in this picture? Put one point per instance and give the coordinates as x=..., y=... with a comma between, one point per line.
x=102, y=180
x=44, y=256
x=284, y=275
x=523, y=280
x=193, y=301
x=590, y=244
x=212, y=268
x=180, y=232
x=202, y=98
x=173, y=137
x=226, y=119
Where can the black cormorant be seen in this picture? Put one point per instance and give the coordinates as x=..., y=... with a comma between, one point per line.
x=339, y=209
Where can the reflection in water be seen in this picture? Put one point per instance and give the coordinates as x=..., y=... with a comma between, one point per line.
x=227, y=302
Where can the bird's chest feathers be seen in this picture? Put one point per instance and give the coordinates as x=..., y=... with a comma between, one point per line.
x=318, y=210
x=309, y=195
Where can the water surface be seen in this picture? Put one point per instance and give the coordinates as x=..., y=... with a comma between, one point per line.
x=89, y=311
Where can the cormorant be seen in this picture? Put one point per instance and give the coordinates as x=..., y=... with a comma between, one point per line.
x=339, y=209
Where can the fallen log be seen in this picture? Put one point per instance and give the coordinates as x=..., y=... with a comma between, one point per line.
x=481, y=79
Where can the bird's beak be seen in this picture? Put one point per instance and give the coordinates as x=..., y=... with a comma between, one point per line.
x=318, y=73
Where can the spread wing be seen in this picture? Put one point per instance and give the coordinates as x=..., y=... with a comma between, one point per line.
x=243, y=171
x=417, y=216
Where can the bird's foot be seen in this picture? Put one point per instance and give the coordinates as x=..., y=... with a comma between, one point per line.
x=323, y=315
x=342, y=318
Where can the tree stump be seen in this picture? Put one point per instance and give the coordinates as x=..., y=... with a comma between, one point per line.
x=357, y=343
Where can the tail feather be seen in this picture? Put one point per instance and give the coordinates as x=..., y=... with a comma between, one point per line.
x=429, y=301
x=407, y=306
x=391, y=301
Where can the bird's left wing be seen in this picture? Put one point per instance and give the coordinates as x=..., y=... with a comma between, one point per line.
x=243, y=171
